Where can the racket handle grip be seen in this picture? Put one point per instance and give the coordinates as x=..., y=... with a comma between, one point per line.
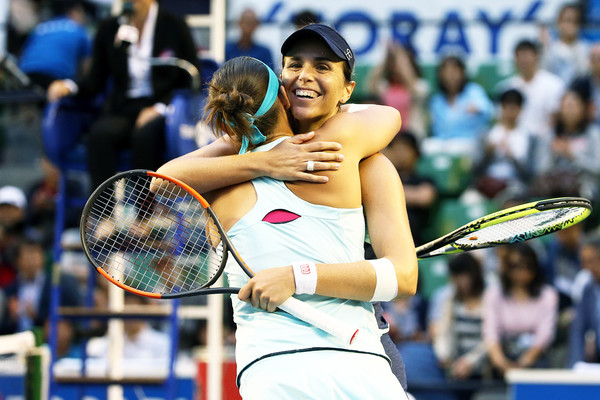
x=319, y=319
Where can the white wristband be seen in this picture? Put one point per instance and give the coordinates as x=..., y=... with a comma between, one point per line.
x=71, y=85
x=305, y=275
x=386, y=288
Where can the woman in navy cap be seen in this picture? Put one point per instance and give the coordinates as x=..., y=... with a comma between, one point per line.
x=318, y=82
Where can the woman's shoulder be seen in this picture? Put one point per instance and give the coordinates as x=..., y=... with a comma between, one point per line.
x=549, y=293
x=474, y=88
x=493, y=291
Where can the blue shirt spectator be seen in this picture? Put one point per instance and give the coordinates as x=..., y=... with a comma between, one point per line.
x=587, y=313
x=467, y=115
x=257, y=51
x=56, y=48
x=245, y=45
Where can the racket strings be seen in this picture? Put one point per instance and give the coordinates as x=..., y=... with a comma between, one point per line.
x=158, y=241
x=522, y=228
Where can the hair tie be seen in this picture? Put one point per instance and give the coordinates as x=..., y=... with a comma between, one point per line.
x=270, y=97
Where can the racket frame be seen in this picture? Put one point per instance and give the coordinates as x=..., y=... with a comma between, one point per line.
x=292, y=305
x=447, y=243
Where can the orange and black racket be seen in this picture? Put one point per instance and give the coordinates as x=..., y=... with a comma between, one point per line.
x=155, y=236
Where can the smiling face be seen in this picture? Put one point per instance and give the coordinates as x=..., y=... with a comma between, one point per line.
x=313, y=77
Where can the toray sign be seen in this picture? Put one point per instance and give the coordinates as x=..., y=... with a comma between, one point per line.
x=482, y=29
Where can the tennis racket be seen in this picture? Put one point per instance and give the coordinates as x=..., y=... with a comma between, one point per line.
x=511, y=225
x=155, y=236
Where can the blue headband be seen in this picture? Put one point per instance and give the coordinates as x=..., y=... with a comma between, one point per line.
x=267, y=103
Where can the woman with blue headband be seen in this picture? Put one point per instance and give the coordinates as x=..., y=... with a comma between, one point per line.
x=322, y=226
x=217, y=165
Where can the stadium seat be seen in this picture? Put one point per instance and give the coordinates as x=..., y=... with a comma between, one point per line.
x=451, y=173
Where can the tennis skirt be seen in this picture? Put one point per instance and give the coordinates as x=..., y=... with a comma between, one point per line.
x=324, y=374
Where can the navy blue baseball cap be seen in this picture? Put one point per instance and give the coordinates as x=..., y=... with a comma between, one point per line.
x=330, y=36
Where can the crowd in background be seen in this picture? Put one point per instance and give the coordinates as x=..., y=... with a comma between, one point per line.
x=535, y=134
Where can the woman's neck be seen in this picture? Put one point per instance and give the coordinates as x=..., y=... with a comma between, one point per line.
x=282, y=129
x=310, y=125
x=520, y=293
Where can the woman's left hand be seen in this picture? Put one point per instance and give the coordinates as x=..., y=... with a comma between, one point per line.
x=288, y=161
x=269, y=288
x=146, y=115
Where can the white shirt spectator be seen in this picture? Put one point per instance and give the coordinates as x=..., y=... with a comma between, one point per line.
x=542, y=96
x=567, y=61
x=507, y=144
x=147, y=344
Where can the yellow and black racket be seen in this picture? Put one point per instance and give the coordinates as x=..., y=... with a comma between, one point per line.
x=155, y=236
x=511, y=225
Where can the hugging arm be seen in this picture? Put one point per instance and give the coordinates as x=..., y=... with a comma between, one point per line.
x=371, y=127
x=218, y=165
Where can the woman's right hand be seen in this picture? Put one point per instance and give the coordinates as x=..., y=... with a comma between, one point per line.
x=57, y=90
x=288, y=160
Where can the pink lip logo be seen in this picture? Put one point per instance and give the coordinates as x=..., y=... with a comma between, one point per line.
x=305, y=269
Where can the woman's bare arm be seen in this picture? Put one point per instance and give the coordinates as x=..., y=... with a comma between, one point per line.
x=218, y=165
x=365, y=128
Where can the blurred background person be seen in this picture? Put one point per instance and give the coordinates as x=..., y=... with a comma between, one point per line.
x=458, y=342
x=460, y=109
x=134, y=112
x=520, y=314
x=569, y=160
x=588, y=85
x=541, y=89
x=566, y=56
x=246, y=45
x=58, y=48
x=24, y=16
x=420, y=192
x=41, y=203
x=28, y=296
x=397, y=82
x=13, y=208
x=142, y=341
x=305, y=17
x=584, y=338
x=508, y=150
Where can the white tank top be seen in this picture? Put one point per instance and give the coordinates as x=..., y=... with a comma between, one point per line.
x=280, y=229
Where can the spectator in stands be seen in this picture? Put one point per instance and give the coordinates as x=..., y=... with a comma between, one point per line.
x=508, y=150
x=567, y=55
x=58, y=48
x=28, y=297
x=588, y=85
x=141, y=339
x=140, y=90
x=572, y=155
x=41, y=203
x=245, y=44
x=403, y=316
x=397, y=82
x=22, y=19
x=562, y=264
x=305, y=17
x=420, y=192
x=13, y=204
x=587, y=314
x=460, y=109
x=541, y=89
x=458, y=343
x=519, y=315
